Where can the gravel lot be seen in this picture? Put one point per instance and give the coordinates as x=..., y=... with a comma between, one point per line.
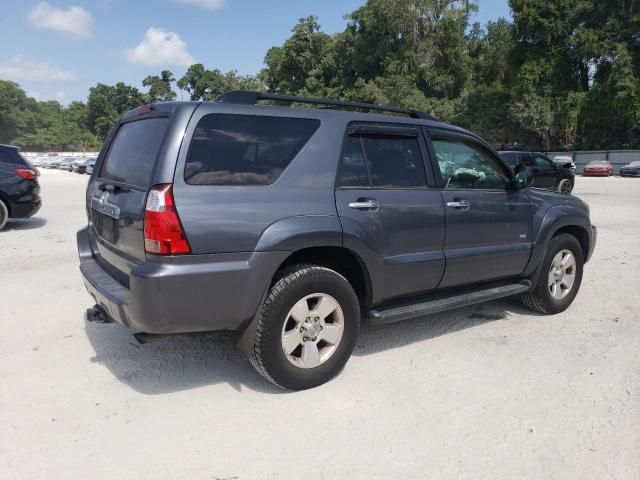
x=486, y=392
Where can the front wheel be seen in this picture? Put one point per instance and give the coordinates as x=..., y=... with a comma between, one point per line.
x=559, y=278
x=307, y=328
x=565, y=186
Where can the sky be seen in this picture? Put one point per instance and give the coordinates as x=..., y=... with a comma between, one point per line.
x=58, y=49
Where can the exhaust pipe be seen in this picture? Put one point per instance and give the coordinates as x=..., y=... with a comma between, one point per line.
x=97, y=314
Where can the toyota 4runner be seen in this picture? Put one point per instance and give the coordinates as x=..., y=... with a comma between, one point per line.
x=291, y=225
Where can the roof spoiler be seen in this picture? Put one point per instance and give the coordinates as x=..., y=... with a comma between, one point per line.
x=242, y=97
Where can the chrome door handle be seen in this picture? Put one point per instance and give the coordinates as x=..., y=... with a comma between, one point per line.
x=364, y=205
x=460, y=205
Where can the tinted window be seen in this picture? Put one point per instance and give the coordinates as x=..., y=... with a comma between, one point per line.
x=465, y=164
x=511, y=158
x=11, y=156
x=394, y=162
x=542, y=162
x=526, y=159
x=133, y=152
x=353, y=172
x=244, y=149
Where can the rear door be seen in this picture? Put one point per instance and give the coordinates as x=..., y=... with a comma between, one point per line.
x=117, y=193
x=382, y=190
x=488, y=225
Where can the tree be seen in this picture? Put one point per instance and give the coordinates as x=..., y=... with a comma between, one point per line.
x=207, y=85
x=160, y=87
x=108, y=103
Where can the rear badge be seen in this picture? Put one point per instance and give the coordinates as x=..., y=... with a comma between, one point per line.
x=102, y=205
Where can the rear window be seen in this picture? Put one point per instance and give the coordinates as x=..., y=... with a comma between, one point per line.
x=245, y=149
x=11, y=156
x=133, y=152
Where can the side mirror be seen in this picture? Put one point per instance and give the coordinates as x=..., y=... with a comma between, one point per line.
x=522, y=177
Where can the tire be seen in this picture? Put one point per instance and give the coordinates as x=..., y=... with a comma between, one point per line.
x=541, y=299
x=4, y=214
x=306, y=286
x=565, y=186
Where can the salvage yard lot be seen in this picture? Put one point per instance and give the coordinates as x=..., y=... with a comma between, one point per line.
x=490, y=391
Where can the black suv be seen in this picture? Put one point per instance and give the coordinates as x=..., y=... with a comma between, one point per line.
x=546, y=173
x=19, y=189
x=290, y=225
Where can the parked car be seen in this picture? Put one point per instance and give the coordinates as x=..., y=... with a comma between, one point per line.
x=565, y=161
x=599, y=168
x=89, y=165
x=546, y=174
x=19, y=188
x=79, y=164
x=67, y=163
x=290, y=225
x=631, y=170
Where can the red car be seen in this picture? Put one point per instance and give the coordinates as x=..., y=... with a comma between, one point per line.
x=600, y=168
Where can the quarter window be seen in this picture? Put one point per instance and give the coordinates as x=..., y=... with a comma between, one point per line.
x=466, y=165
x=245, y=149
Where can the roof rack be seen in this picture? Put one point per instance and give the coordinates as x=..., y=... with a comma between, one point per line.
x=243, y=97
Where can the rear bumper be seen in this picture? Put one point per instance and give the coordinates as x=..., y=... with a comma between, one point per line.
x=26, y=209
x=194, y=293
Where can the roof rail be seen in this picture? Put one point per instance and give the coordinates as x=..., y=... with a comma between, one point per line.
x=243, y=97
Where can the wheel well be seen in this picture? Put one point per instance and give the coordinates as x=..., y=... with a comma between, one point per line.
x=580, y=234
x=339, y=259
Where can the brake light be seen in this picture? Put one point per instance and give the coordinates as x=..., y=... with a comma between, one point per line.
x=27, y=173
x=163, y=232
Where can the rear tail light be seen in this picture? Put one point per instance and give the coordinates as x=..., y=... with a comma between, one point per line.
x=27, y=173
x=163, y=232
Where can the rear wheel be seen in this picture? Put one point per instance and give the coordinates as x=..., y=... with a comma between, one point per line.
x=559, y=278
x=307, y=329
x=565, y=186
x=4, y=214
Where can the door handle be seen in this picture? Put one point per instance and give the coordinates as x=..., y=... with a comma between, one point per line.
x=362, y=204
x=459, y=204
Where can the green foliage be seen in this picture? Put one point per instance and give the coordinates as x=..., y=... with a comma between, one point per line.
x=160, y=87
x=560, y=75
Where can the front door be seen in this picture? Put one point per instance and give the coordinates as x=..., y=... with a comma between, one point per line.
x=544, y=170
x=488, y=226
x=382, y=194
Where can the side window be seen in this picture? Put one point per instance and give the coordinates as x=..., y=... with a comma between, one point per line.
x=526, y=160
x=382, y=162
x=542, y=162
x=245, y=149
x=11, y=156
x=465, y=164
x=395, y=162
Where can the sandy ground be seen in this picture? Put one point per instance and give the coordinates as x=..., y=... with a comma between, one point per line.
x=489, y=392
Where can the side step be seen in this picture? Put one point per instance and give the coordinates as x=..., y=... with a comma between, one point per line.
x=443, y=301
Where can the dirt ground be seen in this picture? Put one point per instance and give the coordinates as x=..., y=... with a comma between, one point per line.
x=492, y=391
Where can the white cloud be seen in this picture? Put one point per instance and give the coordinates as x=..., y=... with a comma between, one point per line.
x=158, y=49
x=21, y=69
x=210, y=4
x=73, y=21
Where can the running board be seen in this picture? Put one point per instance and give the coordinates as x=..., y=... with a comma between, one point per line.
x=443, y=301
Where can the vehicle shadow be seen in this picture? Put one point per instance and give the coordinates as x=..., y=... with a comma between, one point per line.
x=24, y=224
x=174, y=363
x=190, y=361
x=375, y=339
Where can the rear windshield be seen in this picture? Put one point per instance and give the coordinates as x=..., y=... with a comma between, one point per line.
x=133, y=152
x=11, y=156
x=244, y=149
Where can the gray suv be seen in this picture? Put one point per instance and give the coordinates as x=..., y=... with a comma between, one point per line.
x=291, y=225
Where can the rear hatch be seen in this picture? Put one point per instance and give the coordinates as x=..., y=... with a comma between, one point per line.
x=117, y=193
